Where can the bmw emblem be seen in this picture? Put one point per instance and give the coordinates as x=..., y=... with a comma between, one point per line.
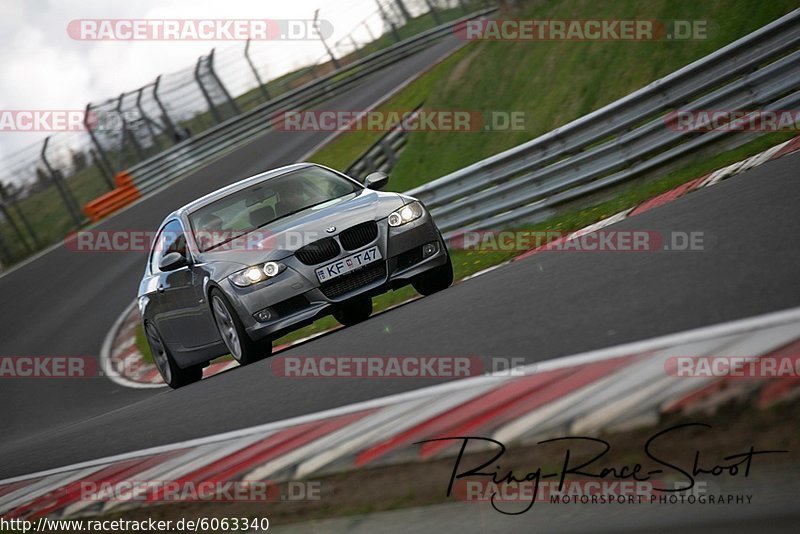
x=330, y=229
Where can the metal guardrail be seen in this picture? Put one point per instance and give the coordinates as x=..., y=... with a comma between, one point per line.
x=200, y=150
x=382, y=155
x=626, y=139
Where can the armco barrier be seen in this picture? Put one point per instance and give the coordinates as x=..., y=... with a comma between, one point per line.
x=626, y=139
x=125, y=193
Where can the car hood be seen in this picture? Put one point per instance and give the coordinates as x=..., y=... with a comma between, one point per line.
x=280, y=239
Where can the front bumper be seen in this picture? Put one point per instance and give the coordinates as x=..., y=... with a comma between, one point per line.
x=296, y=298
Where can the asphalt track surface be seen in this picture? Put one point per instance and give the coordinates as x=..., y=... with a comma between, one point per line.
x=551, y=304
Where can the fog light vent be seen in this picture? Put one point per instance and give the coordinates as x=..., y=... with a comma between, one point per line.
x=430, y=249
x=264, y=315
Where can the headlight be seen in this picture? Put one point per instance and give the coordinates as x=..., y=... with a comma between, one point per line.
x=256, y=273
x=406, y=214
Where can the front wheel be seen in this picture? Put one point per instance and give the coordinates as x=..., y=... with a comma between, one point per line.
x=435, y=279
x=354, y=312
x=173, y=375
x=243, y=349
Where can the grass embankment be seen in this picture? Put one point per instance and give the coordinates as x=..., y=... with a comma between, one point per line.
x=552, y=83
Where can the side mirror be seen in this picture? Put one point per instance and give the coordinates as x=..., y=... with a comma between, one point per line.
x=376, y=180
x=172, y=261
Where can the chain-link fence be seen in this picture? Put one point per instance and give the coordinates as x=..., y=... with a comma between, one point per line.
x=44, y=187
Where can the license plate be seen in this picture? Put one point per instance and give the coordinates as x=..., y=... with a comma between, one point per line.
x=347, y=264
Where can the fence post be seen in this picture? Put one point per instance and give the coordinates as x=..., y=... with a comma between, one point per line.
x=9, y=199
x=127, y=133
x=66, y=195
x=371, y=35
x=14, y=227
x=5, y=254
x=211, y=107
x=261, y=86
x=325, y=44
x=436, y=18
x=98, y=147
x=355, y=47
x=231, y=101
x=403, y=10
x=171, y=129
x=149, y=123
x=104, y=172
x=388, y=20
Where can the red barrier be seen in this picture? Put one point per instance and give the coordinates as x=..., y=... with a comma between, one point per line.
x=103, y=206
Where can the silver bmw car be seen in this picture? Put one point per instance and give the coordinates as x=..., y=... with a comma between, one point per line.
x=244, y=265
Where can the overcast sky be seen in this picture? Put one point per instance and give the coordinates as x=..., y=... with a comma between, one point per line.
x=43, y=68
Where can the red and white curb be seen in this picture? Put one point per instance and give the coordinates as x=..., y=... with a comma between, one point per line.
x=610, y=389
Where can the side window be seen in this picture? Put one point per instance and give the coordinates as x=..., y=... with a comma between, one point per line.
x=170, y=239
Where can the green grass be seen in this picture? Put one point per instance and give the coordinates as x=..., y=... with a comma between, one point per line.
x=141, y=344
x=553, y=83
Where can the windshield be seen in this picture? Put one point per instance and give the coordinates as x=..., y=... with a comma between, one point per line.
x=262, y=203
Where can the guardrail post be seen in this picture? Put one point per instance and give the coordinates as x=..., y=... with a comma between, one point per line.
x=98, y=147
x=170, y=126
x=66, y=195
x=231, y=101
x=386, y=148
x=211, y=107
x=261, y=86
x=436, y=18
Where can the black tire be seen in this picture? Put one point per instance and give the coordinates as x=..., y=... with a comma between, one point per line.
x=241, y=346
x=174, y=376
x=434, y=280
x=354, y=311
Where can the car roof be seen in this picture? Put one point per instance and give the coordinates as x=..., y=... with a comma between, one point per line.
x=237, y=186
